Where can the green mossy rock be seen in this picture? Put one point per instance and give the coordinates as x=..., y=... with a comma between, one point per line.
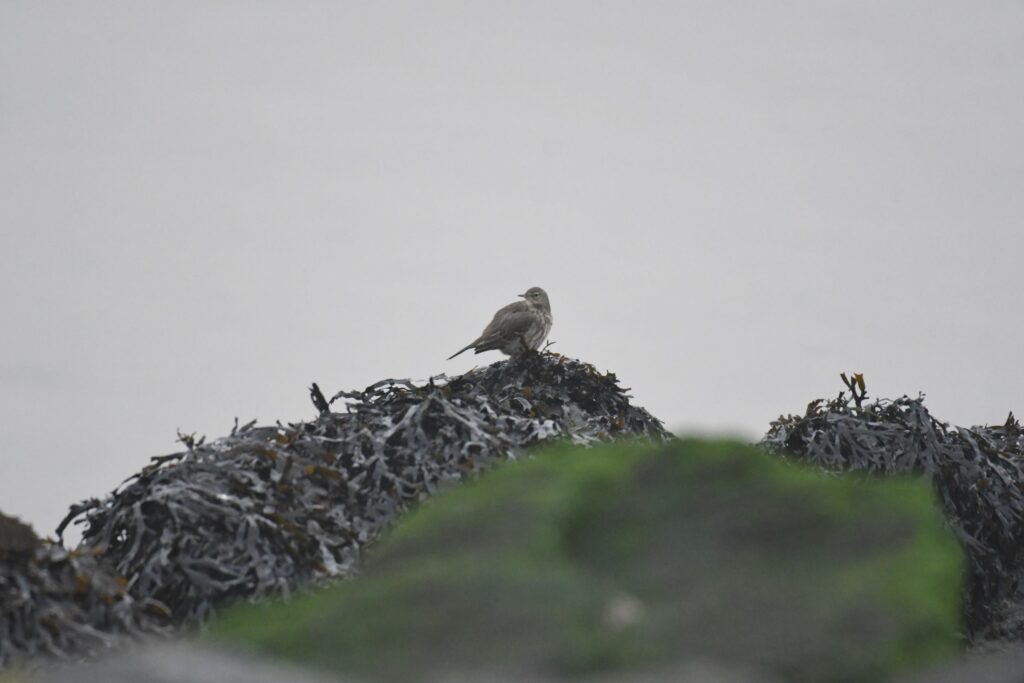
x=633, y=558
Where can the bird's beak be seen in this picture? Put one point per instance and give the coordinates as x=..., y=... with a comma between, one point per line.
x=522, y=295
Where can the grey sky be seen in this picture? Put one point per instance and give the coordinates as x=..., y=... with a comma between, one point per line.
x=204, y=206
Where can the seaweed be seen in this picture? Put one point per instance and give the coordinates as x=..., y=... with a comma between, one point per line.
x=269, y=509
x=977, y=473
x=56, y=603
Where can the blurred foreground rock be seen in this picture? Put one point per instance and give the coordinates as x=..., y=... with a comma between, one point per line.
x=181, y=662
x=627, y=563
x=185, y=662
x=1002, y=664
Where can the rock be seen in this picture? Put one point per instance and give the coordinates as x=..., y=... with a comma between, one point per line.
x=984, y=664
x=268, y=510
x=17, y=540
x=56, y=604
x=976, y=473
x=625, y=561
x=181, y=662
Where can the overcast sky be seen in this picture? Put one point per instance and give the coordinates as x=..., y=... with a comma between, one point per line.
x=205, y=206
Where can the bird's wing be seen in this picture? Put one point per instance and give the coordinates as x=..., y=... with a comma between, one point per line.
x=508, y=322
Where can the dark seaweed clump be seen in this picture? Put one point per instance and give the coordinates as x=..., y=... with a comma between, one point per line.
x=977, y=473
x=268, y=509
x=56, y=603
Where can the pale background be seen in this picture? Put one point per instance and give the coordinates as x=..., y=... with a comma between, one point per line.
x=205, y=206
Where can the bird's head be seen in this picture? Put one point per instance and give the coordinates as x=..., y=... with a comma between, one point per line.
x=537, y=297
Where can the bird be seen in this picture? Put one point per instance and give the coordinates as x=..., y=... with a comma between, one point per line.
x=519, y=327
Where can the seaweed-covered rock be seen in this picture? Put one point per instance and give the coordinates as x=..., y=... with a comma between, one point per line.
x=60, y=604
x=267, y=509
x=629, y=562
x=17, y=539
x=978, y=473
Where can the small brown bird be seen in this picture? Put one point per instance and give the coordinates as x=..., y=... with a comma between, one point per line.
x=516, y=328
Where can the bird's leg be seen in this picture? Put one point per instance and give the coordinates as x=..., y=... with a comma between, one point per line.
x=527, y=351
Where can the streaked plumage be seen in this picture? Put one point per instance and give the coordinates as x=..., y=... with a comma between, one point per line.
x=517, y=327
